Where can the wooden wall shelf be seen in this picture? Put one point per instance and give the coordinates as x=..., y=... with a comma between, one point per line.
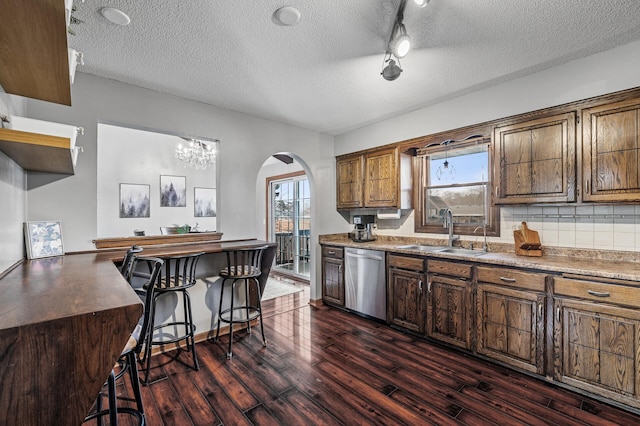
x=36, y=152
x=152, y=240
x=34, y=60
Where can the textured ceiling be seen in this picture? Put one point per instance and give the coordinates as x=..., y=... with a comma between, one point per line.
x=324, y=73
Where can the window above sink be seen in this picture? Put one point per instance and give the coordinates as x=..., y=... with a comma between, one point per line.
x=455, y=175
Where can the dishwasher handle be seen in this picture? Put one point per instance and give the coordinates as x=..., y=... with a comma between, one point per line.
x=364, y=256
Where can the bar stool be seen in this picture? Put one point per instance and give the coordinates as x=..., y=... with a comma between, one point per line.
x=128, y=358
x=243, y=265
x=126, y=267
x=179, y=276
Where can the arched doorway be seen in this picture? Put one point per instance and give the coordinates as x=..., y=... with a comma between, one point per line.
x=289, y=222
x=285, y=199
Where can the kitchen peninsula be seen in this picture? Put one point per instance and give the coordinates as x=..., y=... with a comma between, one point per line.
x=64, y=321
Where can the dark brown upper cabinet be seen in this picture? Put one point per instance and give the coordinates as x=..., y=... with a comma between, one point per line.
x=611, y=152
x=381, y=185
x=349, y=182
x=378, y=178
x=535, y=161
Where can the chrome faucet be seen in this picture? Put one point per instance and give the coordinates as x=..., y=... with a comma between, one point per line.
x=485, y=247
x=448, y=223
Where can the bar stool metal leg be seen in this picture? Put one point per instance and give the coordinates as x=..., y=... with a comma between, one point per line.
x=233, y=287
x=246, y=296
x=135, y=382
x=259, y=304
x=220, y=309
x=190, y=328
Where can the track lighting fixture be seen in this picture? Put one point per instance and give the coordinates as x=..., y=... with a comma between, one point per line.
x=391, y=71
x=399, y=43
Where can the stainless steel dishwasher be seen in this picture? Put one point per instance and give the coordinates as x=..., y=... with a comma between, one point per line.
x=365, y=284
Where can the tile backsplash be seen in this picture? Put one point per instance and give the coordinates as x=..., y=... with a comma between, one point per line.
x=587, y=227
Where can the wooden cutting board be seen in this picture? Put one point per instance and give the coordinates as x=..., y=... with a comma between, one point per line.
x=527, y=241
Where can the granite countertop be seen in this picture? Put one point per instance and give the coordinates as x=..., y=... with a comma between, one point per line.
x=614, y=265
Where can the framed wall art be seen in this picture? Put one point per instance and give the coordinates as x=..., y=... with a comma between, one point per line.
x=173, y=191
x=204, y=202
x=43, y=239
x=134, y=200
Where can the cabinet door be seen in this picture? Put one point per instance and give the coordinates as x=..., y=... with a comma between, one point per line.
x=536, y=161
x=381, y=186
x=333, y=280
x=610, y=152
x=349, y=182
x=449, y=310
x=510, y=326
x=597, y=348
x=406, y=302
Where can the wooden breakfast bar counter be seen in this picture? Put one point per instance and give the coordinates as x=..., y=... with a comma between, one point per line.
x=63, y=324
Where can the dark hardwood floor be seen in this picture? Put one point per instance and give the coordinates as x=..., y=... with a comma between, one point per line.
x=326, y=367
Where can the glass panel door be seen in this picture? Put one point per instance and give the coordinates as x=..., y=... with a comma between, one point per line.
x=291, y=223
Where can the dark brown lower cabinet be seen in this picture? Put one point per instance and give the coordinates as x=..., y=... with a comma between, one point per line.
x=510, y=317
x=449, y=303
x=406, y=292
x=596, y=344
x=333, y=275
x=510, y=325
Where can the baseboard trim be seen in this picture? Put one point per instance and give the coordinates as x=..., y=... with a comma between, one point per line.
x=316, y=303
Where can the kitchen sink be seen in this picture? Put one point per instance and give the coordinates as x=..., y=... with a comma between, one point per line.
x=441, y=249
x=460, y=250
x=420, y=247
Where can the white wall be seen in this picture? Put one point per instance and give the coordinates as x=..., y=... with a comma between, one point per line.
x=13, y=195
x=599, y=227
x=245, y=143
x=136, y=156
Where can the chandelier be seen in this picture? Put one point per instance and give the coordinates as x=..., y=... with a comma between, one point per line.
x=197, y=155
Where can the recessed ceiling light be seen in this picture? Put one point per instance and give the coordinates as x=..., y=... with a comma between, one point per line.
x=287, y=15
x=116, y=16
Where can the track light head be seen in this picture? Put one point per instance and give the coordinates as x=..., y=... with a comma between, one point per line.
x=391, y=71
x=401, y=42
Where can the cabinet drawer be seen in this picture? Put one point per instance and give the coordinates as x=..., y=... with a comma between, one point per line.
x=335, y=252
x=599, y=292
x=511, y=277
x=449, y=268
x=405, y=262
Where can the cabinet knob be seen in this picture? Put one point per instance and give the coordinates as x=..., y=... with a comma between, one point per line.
x=508, y=280
x=558, y=314
x=420, y=286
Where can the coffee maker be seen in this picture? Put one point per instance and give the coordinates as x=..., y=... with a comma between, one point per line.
x=363, y=228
